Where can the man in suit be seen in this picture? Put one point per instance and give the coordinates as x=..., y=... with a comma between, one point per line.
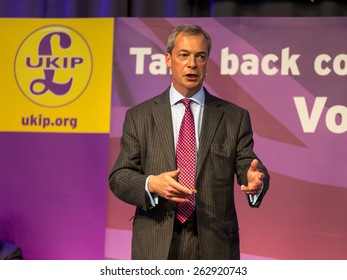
x=146, y=173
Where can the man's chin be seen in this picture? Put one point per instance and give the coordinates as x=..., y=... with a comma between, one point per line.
x=193, y=89
x=191, y=84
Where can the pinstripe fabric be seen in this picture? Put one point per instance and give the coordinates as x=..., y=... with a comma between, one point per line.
x=185, y=243
x=147, y=147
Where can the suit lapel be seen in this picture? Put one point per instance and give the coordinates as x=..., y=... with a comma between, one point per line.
x=162, y=115
x=163, y=120
x=210, y=122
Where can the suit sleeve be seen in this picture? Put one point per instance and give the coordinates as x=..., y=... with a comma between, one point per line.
x=126, y=180
x=245, y=155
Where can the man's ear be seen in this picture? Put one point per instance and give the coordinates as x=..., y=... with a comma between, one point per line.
x=168, y=60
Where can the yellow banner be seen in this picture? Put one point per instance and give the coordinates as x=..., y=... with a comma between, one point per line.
x=55, y=75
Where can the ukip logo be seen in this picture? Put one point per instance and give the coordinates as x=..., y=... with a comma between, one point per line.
x=53, y=66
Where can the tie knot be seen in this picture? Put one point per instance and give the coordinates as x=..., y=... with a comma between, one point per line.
x=186, y=102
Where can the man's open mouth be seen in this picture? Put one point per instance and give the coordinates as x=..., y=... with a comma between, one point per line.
x=191, y=75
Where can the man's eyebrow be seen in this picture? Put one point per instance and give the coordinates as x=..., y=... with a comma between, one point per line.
x=188, y=51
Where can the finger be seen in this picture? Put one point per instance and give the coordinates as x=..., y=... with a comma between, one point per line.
x=258, y=181
x=251, y=190
x=178, y=199
x=261, y=176
x=244, y=189
x=254, y=165
x=173, y=173
x=182, y=190
x=180, y=196
x=176, y=187
x=247, y=190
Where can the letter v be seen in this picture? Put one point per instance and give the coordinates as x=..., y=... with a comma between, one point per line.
x=309, y=123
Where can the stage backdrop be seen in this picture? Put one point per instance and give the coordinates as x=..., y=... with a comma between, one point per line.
x=290, y=73
x=55, y=155
x=55, y=95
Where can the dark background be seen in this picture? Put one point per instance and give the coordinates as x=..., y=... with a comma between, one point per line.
x=171, y=8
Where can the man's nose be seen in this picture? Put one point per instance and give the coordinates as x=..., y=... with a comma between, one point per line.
x=192, y=61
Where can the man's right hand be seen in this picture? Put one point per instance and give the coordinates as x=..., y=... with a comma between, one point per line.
x=167, y=187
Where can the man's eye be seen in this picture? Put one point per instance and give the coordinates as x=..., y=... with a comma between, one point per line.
x=182, y=56
x=201, y=57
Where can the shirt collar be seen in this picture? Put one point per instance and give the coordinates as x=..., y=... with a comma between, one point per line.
x=175, y=96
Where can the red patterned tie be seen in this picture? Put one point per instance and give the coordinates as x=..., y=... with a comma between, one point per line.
x=185, y=160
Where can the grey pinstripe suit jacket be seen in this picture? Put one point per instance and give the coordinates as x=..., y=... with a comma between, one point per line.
x=226, y=149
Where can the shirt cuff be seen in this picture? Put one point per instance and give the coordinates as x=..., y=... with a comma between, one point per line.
x=153, y=197
x=253, y=198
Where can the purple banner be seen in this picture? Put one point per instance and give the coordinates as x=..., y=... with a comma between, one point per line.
x=290, y=73
x=53, y=194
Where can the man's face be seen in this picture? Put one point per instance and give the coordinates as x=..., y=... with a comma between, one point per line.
x=188, y=63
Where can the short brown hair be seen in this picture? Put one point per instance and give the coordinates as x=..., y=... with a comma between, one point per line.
x=190, y=29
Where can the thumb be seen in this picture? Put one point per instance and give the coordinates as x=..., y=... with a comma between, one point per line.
x=174, y=173
x=254, y=165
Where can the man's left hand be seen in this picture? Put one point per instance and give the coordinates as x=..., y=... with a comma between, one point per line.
x=255, y=180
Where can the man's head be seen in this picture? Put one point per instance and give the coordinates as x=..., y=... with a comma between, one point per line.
x=187, y=53
x=189, y=29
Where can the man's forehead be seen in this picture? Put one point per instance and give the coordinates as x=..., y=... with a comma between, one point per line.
x=189, y=42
